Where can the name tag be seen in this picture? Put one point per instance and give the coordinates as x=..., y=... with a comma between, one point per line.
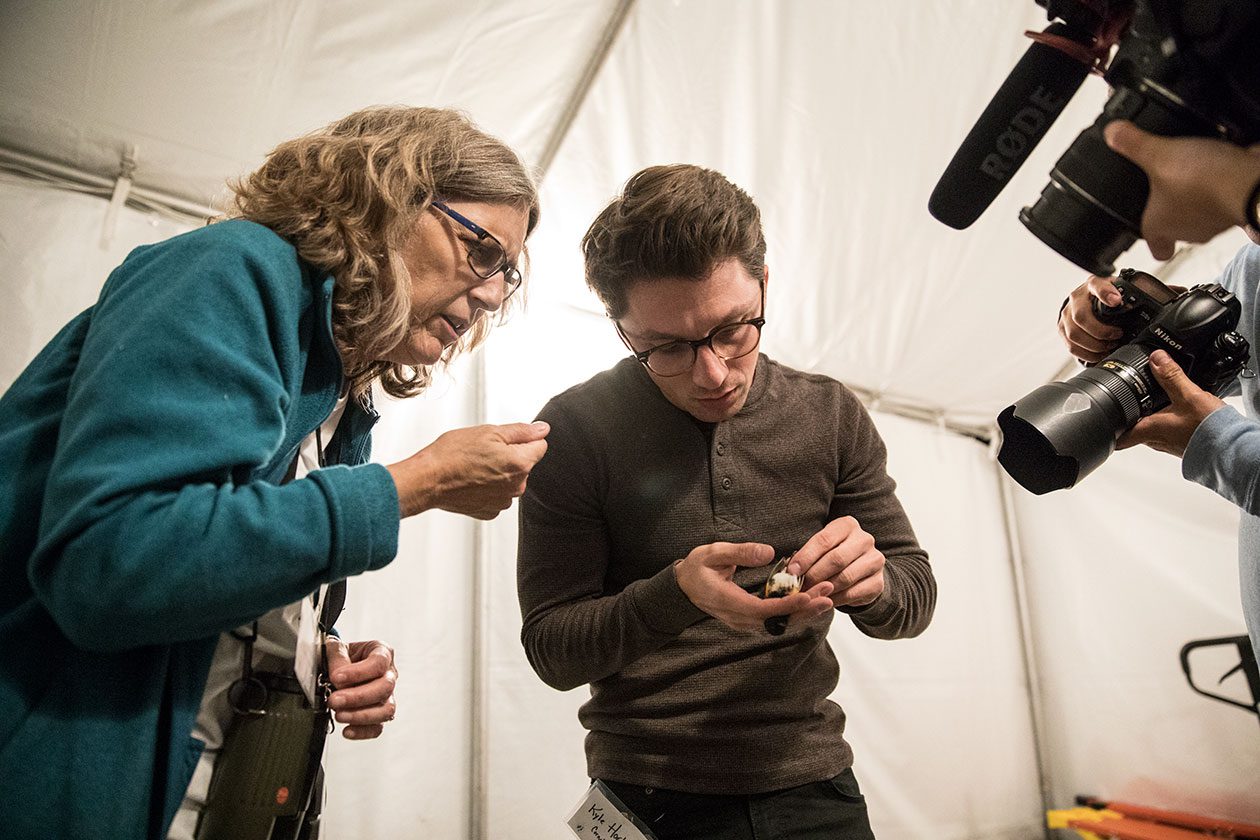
x=599, y=815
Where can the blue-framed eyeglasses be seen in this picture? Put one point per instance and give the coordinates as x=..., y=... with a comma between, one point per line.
x=486, y=256
x=727, y=341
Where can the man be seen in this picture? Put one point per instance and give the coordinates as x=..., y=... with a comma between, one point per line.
x=1199, y=187
x=672, y=481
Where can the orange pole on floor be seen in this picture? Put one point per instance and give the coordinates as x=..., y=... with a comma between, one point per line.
x=1217, y=826
x=1134, y=829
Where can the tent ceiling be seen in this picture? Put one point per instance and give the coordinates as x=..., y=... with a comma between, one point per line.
x=205, y=89
x=837, y=117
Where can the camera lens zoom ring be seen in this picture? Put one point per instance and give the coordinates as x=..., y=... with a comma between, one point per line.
x=1123, y=384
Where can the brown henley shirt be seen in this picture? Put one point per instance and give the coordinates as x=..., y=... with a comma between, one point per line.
x=630, y=484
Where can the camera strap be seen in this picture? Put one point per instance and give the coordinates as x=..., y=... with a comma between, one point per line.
x=335, y=594
x=248, y=695
x=317, y=615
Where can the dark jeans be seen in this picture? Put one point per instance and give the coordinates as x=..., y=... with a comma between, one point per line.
x=829, y=810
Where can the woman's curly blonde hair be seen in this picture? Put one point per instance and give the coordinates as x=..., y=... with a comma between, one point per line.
x=347, y=195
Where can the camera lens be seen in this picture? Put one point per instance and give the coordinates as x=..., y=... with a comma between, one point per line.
x=1091, y=211
x=1077, y=226
x=1062, y=431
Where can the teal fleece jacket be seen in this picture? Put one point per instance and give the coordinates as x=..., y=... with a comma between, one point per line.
x=141, y=515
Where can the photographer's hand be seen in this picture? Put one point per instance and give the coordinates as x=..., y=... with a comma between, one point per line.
x=364, y=676
x=1087, y=338
x=1199, y=185
x=1169, y=430
x=705, y=576
x=843, y=554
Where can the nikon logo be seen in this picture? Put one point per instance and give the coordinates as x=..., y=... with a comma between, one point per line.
x=1022, y=133
x=1168, y=339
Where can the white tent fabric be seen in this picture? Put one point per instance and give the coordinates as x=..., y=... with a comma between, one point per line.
x=204, y=89
x=838, y=117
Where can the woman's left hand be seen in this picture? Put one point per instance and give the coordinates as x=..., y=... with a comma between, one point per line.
x=363, y=676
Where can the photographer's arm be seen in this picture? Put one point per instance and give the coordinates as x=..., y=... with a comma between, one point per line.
x=1223, y=455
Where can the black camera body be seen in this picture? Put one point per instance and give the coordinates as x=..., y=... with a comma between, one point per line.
x=1062, y=431
x=1189, y=68
x=1195, y=327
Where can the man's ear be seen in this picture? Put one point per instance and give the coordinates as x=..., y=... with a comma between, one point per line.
x=765, y=275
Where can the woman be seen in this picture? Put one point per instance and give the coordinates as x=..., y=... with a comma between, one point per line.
x=163, y=511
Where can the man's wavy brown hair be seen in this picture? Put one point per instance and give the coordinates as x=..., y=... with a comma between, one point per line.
x=346, y=197
x=670, y=221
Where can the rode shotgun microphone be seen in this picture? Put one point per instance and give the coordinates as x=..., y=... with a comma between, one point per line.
x=1037, y=90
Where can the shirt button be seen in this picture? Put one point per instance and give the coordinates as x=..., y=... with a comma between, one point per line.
x=726, y=484
x=721, y=449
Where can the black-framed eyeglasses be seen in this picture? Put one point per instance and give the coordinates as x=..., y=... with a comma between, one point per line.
x=487, y=256
x=727, y=341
